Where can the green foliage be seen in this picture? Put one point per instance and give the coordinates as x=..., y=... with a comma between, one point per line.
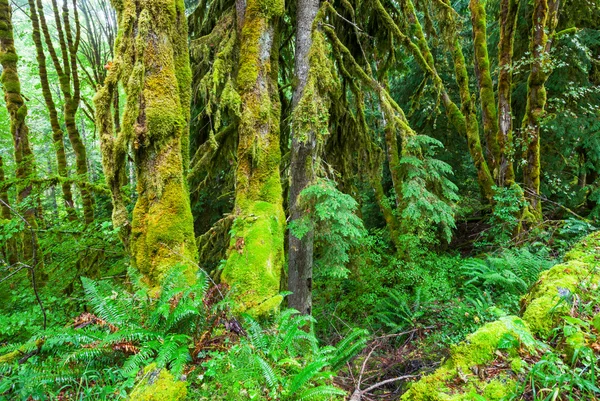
x=427, y=192
x=283, y=363
x=337, y=228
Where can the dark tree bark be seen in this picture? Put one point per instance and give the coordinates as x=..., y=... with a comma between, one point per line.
x=545, y=18
x=302, y=168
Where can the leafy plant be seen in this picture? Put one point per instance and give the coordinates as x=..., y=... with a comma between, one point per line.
x=283, y=363
x=337, y=228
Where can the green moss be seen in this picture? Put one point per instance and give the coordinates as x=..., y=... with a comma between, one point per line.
x=574, y=342
x=253, y=267
x=543, y=303
x=477, y=350
x=158, y=385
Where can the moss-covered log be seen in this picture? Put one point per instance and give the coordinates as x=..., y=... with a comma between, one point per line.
x=152, y=62
x=256, y=257
x=511, y=339
x=17, y=109
x=57, y=132
x=545, y=18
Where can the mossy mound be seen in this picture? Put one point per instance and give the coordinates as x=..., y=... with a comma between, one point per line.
x=544, y=309
x=158, y=385
x=459, y=377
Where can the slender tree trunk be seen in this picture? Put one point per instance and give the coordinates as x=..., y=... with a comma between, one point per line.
x=10, y=246
x=486, y=86
x=302, y=167
x=152, y=61
x=545, y=18
x=508, y=22
x=256, y=256
x=24, y=160
x=70, y=88
x=57, y=132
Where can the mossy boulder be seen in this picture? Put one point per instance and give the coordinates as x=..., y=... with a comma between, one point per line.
x=457, y=378
x=158, y=385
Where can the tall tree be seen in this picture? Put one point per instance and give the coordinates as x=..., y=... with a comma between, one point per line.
x=152, y=63
x=57, y=132
x=303, y=164
x=545, y=19
x=256, y=256
x=17, y=109
x=68, y=76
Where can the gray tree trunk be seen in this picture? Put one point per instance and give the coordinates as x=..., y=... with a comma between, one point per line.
x=302, y=169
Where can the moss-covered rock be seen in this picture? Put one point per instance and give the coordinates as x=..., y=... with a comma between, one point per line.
x=158, y=385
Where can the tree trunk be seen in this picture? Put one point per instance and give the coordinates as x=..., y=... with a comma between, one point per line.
x=57, y=132
x=508, y=22
x=9, y=248
x=68, y=78
x=545, y=18
x=256, y=254
x=302, y=167
x=486, y=86
x=24, y=160
x=152, y=62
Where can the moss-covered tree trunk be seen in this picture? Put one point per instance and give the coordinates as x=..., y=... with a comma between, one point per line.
x=9, y=248
x=545, y=18
x=484, y=79
x=302, y=167
x=57, y=132
x=17, y=110
x=152, y=62
x=68, y=77
x=256, y=256
x=508, y=23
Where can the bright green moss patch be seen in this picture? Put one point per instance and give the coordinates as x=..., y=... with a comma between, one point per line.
x=545, y=303
x=158, y=385
x=253, y=266
x=456, y=379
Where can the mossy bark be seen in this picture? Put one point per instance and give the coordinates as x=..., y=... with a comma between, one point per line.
x=545, y=18
x=151, y=60
x=15, y=104
x=9, y=250
x=508, y=22
x=486, y=87
x=302, y=165
x=68, y=78
x=57, y=132
x=256, y=257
